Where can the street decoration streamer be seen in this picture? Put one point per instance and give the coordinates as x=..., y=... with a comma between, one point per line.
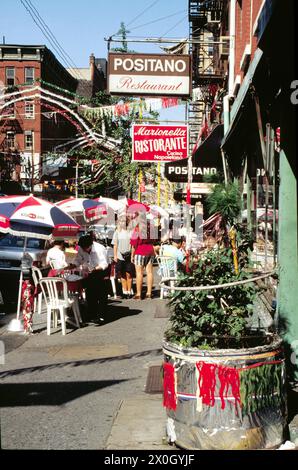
x=250, y=388
x=117, y=110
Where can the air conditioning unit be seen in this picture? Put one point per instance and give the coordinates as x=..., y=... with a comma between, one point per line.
x=214, y=16
x=245, y=57
x=224, y=47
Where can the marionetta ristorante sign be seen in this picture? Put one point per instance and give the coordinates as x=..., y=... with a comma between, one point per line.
x=149, y=74
x=154, y=143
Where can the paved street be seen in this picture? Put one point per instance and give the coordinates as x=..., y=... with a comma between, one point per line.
x=64, y=392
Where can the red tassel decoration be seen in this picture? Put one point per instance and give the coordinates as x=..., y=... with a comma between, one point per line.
x=229, y=381
x=207, y=382
x=169, y=392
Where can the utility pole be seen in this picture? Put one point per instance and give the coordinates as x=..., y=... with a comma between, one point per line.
x=77, y=179
x=32, y=164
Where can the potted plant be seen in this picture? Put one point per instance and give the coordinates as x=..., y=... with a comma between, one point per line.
x=224, y=380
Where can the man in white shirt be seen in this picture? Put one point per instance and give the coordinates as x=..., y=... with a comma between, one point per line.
x=93, y=255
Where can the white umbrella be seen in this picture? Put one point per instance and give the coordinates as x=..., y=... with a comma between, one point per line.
x=116, y=205
x=159, y=210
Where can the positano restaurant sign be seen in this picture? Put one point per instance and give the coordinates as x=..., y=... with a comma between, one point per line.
x=149, y=74
x=153, y=143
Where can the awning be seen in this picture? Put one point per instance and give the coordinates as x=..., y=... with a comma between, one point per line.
x=206, y=161
x=239, y=106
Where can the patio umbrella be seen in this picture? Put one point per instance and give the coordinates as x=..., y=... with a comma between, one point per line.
x=114, y=204
x=90, y=209
x=135, y=206
x=157, y=210
x=28, y=216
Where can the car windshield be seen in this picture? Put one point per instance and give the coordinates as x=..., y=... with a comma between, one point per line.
x=10, y=241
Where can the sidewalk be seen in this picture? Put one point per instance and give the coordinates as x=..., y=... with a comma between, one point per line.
x=85, y=390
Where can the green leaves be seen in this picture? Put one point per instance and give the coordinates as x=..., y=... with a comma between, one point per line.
x=212, y=317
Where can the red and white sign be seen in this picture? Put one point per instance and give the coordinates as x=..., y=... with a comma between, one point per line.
x=154, y=143
x=149, y=74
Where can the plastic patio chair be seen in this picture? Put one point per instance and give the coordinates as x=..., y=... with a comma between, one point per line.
x=57, y=299
x=36, y=276
x=167, y=267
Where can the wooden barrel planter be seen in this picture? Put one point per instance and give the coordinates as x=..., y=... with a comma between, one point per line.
x=226, y=398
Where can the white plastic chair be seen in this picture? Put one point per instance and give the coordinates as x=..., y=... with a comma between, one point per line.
x=53, y=264
x=36, y=276
x=56, y=296
x=167, y=267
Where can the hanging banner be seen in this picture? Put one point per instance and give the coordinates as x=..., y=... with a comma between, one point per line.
x=149, y=74
x=154, y=143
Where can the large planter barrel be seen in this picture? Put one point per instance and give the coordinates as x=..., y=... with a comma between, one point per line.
x=225, y=399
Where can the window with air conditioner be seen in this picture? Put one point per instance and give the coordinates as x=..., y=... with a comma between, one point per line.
x=214, y=16
x=10, y=76
x=224, y=46
x=10, y=140
x=29, y=140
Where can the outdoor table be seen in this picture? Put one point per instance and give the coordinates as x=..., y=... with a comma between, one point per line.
x=74, y=281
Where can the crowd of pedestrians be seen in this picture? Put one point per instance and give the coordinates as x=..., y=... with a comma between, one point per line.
x=134, y=251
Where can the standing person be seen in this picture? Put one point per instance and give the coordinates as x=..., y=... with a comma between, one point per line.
x=122, y=256
x=143, y=256
x=56, y=255
x=93, y=255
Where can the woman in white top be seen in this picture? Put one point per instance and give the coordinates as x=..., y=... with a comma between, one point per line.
x=122, y=257
x=56, y=256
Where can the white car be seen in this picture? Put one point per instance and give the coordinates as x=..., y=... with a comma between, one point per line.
x=11, y=261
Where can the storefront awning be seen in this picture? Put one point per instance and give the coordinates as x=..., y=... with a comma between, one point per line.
x=206, y=161
x=239, y=106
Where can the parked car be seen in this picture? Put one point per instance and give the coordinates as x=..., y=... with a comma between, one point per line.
x=11, y=261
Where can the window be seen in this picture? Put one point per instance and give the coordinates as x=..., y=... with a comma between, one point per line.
x=10, y=76
x=9, y=111
x=29, y=75
x=10, y=139
x=29, y=110
x=28, y=140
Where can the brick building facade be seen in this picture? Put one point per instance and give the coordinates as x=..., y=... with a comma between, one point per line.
x=32, y=128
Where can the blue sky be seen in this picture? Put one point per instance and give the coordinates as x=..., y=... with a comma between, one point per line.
x=80, y=26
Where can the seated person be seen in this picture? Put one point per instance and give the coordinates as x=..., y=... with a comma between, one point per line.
x=56, y=256
x=174, y=251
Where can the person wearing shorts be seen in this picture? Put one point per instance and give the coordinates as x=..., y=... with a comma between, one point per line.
x=142, y=256
x=122, y=256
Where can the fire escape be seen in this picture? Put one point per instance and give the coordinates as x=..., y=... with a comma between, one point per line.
x=204, y=30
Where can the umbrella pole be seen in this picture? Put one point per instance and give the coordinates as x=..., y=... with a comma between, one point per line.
x=21, y=281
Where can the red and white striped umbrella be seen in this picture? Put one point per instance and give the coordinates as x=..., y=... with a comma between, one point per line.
x=90, y=209
x=29, y=216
